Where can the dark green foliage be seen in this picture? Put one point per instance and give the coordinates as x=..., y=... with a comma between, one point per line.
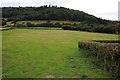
x=3, y=22
x=106, y=53
x=83, y=26
x=69, y=27
x=58, y=25
x=49, y=13
x=47, y=24
x=84, y=76
x=88, y=22
x=20, y=25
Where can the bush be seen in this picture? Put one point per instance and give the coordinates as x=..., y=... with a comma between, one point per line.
x=84, y=76
x=69, y=27
x=28, y=24
x=9, y=25
x=3, y=22
x=58, y=25
x=47, y=24
x=20, y=25
x=106, y=53
x=92, y=27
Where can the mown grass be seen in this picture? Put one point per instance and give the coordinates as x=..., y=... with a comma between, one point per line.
x=48, y=53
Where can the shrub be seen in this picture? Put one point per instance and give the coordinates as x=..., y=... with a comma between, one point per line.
x=28, y=24
x=47, y=24
x=9, y=25
x=3, y=22
x=58, y=25
x=106, y=53
x=92, y=27
x=84, y=76
x=69, y=27
x=20, y=25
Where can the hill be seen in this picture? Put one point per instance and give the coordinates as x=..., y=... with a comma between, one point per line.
x=49, y=13
x=82, y=21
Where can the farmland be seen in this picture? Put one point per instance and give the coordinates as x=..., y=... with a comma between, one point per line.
x=29, y=53
x=44, y=21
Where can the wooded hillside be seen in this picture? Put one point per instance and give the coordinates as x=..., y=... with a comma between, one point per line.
x=48, y=13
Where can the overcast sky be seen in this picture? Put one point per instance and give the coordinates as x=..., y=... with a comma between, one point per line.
x=105, y=9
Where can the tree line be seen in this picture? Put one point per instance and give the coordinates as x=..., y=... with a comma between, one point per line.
x=50, y=12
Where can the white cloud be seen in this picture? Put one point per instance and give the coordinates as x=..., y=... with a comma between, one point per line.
x=99, y=8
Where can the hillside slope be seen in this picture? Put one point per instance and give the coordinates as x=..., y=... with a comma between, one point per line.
x=49, y=13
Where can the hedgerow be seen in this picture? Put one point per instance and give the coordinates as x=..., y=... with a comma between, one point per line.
x=106, y=54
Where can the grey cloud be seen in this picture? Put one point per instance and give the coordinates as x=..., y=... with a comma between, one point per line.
x=119, y=10
x=32, y=2
x=108, y=13
x=9, y=4
x=57, y=2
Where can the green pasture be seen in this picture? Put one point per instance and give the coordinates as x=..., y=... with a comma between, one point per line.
x=44, y=21
x=32, y=53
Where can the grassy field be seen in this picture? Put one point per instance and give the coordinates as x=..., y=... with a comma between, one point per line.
x=44, y=21
x=31, y=53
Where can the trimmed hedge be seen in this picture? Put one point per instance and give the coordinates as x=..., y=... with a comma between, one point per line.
x=106, y=53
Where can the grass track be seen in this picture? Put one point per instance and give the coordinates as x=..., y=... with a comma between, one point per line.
x=48, y=53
